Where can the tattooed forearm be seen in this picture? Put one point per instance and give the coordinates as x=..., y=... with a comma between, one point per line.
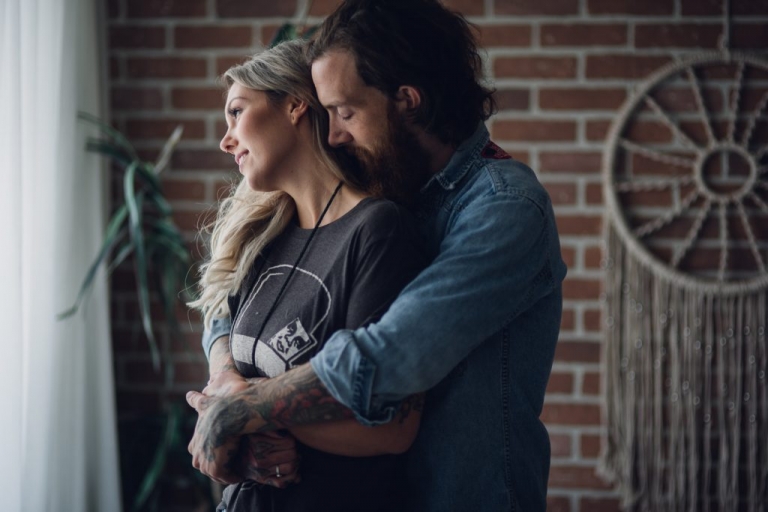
x=306, y=400
x=295, y=398
x=410, y=404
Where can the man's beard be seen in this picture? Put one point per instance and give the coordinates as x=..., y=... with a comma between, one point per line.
x=396, y=168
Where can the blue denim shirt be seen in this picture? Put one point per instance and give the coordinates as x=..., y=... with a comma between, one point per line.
x=477, y=328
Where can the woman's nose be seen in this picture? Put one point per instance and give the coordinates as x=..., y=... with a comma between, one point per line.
x=227, y=143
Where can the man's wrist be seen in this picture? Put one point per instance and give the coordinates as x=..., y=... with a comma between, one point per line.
x=292, y=399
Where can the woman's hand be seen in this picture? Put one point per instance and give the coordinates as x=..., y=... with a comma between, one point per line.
x=271, y=458
x=225, y=383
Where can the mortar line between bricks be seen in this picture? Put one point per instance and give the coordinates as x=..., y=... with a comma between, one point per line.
x=535, y=37
x=567, y=178
x=547, y=115
x=560, y=429
x=555, y=398
x=203, y=22
x=592, y=493
x=578, y=381
x=161, y=115
x=677, y=52
x=606, y=19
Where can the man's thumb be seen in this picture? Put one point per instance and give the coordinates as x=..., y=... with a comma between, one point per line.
x=197, y=400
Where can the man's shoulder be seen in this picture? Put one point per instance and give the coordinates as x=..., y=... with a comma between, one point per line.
x=499, y=177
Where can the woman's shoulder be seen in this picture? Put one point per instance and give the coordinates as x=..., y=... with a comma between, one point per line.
x=382, y=218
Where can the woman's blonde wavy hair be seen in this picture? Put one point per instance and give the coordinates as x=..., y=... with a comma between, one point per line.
x=248, y=220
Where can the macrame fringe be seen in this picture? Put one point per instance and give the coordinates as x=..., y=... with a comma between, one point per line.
x=686, y=390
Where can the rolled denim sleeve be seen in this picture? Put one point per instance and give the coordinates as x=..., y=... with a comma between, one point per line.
x=219, y=327
x=500, y=254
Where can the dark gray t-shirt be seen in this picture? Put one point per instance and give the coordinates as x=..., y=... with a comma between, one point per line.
x=351, y=272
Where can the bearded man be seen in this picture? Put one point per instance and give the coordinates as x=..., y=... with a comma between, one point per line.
x=402, y=83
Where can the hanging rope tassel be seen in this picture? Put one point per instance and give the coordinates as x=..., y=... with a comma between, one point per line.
x=686, y=392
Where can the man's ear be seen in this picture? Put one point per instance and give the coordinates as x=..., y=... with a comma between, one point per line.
x=408, y=99
x=296, y=109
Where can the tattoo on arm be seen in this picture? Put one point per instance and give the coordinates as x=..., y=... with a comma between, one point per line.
x=410, y=404
x=295, y=398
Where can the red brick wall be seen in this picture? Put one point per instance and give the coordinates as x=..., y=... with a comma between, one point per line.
x=562, y=68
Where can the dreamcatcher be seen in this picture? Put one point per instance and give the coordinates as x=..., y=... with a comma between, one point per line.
x=686, y=191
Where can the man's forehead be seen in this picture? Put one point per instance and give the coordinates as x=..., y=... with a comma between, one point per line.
x=336, y=78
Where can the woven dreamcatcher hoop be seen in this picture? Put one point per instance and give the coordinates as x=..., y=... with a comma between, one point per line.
x=685, y=179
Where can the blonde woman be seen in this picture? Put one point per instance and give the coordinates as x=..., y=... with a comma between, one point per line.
x=300, y=250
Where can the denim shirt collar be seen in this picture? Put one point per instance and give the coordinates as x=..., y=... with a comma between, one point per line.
x=462, y=159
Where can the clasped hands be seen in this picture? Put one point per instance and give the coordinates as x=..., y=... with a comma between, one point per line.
x=218, y=449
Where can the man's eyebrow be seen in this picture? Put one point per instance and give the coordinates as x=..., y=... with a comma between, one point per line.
x=332, y=104
x=343, y=102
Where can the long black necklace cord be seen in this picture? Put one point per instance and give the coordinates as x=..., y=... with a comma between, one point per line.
x=293, y=269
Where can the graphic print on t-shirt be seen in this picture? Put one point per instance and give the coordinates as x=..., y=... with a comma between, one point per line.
x=280, y=351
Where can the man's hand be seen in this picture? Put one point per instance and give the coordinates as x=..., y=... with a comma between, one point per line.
x=271, y=458
x=295, y=398
x=226, y=383
x=214, y=445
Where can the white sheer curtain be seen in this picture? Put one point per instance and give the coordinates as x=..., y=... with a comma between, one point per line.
x=58, y=449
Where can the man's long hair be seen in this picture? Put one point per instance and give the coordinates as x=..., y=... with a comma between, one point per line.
x=418, y=43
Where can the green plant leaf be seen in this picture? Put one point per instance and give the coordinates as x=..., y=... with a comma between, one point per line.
x=115, y=232
x=108, y=149
x=170, y=145
x=118, y=137
x=170, y=437
x=167, y=284
x=286, y=32
x=142, y=227
x=172, y=241
x=134, y=203
x=87, y=283
x=125, y=250
x=149, y=177
x=157, y=199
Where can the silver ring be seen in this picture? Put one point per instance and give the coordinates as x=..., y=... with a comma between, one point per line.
x=277, y=471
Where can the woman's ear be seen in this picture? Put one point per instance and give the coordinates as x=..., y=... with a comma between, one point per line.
x=408, y=99
x=296, y=109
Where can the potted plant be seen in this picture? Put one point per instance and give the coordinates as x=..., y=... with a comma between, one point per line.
x=141, y=232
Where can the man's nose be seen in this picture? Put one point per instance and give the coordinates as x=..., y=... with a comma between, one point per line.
x=337, y=136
